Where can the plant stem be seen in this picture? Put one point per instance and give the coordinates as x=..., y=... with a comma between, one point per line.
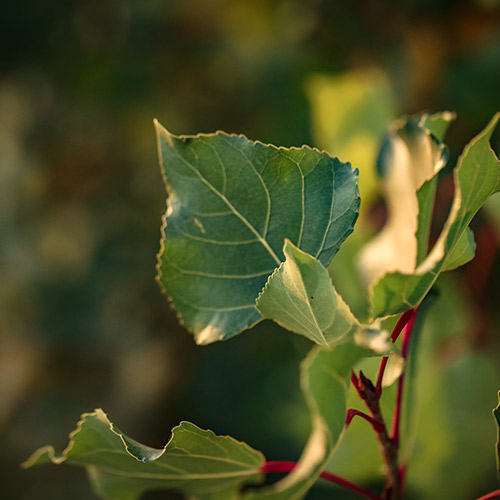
x=388, y=447
x=489, y=496
x=270, y=467
x=399, y=397
x=351, y=413
x=370, y=394
x=403, y=320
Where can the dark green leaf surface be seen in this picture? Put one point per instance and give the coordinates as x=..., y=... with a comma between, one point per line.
x=496, y=414
x=476, y=178
x=194, y=461
x=300, y=296
x=231, y=204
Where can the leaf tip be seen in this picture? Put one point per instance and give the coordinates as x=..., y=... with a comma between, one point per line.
x=208, y=335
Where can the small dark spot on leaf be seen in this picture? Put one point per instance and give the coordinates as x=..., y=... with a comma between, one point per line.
x=312, y=297
x=185, y=140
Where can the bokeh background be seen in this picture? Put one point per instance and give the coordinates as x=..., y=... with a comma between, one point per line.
x=83, y=323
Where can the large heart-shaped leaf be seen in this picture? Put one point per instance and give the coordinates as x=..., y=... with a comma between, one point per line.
x=231, y=204
x=194, y=461
x=477, y=177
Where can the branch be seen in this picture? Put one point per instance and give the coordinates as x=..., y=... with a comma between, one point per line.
x=399, y=397
x=270, y=467
x=351, y=413
x=489, y=496
x=403, y=320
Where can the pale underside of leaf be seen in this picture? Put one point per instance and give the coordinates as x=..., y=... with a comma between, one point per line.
x=231, y=204
x=194, y=461
x=409, y=157
x=476, y=177
x=300, y=296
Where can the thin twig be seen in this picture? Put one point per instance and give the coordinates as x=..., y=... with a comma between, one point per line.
x=270, y=467
x=403, y=320
x=489, y=496
x=399, y=396
x=352, y=412
x=388, y=448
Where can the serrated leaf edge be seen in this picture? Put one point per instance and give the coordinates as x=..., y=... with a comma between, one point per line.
x=160, y=129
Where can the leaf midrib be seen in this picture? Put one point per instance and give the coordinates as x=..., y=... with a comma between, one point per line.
x=236, y=212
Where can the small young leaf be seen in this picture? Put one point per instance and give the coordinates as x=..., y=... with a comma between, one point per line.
x=300, y=297
x=477, y=176
x=194, y=461
x=496, y=414
x=231, y=204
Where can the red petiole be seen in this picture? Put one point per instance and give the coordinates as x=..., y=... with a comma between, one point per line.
x=399, y=397
x=271, y=467
x=490, y=496
x=376, y=424
x=403, y=320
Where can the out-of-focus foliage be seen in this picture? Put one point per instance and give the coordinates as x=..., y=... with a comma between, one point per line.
x=82, y=323
x=350, y=115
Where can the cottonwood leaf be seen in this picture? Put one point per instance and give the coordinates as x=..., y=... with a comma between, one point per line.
x=325, y=375
x=496, y=414
x=194, y=461
x=231, y=204
x=300, y=297
x=437, y=124
x=477, y=177
x=409, y=157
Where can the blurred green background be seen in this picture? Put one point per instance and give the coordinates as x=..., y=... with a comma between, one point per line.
x=83, y=323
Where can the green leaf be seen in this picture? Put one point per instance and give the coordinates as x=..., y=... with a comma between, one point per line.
x=194, y=461
x=231, y=204
x=438, y=123
x=476, y=178
x=409, y=157
x=300, y=297
x=462, y=252
x=496, y=414
x=325, y=378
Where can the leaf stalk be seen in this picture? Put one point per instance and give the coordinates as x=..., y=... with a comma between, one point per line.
x=283, y=466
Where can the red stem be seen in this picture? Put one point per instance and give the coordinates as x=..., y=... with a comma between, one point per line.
x=351, y=413
x=270, y=467
x=399, y=397
x=489, y=496
x=403, y=320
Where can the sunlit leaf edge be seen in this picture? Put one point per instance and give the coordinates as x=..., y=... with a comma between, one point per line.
x=160, y=129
